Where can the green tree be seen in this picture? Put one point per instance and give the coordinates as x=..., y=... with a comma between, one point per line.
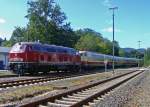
x=93, y=41
x=89, y=40
x=6, y=43
x=147, y=57
x=122, y=53
x=18, y=35
x=88, y=43
x=107, y=46
x=116, y=47
x=47, y=23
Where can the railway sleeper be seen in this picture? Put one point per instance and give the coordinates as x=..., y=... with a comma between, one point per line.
x=42, y=106
x=49, y=104
x=75, y=97
x=84, y=94
x=79, y=95
x=65, y=102
x=70, y=99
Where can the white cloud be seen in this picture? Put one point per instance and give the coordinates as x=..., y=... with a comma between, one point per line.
x=107, y=3
x=2, y=21
x=110, y=29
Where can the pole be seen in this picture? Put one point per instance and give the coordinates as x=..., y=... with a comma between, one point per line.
x=28, y=34
x=113, y=16
x=113, y=43
x=145, y=56
x=138, y=55
x=105, y=62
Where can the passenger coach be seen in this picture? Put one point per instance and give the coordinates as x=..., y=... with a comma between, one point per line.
x=97, y=60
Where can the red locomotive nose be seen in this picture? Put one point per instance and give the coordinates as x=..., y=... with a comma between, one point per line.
x=17, y=52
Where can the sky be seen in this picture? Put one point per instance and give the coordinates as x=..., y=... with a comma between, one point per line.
x=132, y=19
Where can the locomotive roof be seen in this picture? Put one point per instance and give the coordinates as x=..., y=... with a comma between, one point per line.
x=47, y=48
x=29, y=43
x=37, y=43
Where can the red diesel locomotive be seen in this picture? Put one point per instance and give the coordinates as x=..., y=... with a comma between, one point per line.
x=34, y=57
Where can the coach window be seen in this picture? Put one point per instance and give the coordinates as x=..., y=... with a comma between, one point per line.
x=22, y=47
x=85, y=54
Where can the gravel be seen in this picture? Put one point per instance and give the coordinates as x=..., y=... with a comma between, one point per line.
x=134, y=93
x=141, y=95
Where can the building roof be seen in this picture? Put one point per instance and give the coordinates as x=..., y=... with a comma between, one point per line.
x=4, y=49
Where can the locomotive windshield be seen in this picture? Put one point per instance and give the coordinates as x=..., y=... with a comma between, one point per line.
x=18, y=47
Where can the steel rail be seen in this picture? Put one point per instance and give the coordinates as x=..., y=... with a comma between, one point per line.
x=54, y=98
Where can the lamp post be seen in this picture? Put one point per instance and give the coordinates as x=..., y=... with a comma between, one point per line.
x=113, y=18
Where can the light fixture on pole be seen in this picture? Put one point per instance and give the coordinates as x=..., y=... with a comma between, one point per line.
x=113, y=16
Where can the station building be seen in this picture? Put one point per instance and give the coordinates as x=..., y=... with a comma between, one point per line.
x=4, y=51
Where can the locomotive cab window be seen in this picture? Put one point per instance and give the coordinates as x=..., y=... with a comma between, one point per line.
x=28, y=48
x=18, y=47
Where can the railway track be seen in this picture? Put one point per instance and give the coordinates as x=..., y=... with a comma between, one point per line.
x=83, y=94
x=25, y=82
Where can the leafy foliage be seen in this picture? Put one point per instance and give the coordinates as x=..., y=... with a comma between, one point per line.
x=47, y=23
x=93, y=41
x=18, y=35
x=131, y=53
x=147, y=57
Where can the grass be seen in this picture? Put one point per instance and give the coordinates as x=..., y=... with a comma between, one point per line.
x=22, y=93
x=5, y=73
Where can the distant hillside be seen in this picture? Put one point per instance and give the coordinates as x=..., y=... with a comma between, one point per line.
x=131, y=52
x=128, y=50
x=141, y=50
